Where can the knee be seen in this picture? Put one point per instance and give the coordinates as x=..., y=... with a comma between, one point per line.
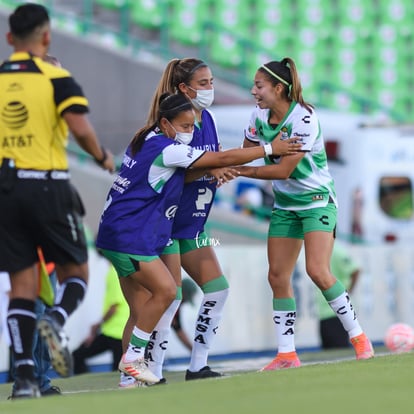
x=168, y=294
x=276, y=280
x=320, y=276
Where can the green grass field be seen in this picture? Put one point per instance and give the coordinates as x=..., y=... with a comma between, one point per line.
x=326, y=383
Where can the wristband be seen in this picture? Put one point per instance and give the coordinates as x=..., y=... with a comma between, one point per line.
x=268, y=150
x=104, y=157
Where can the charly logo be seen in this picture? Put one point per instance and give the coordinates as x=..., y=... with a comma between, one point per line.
x=15, y=115
x=170, y=212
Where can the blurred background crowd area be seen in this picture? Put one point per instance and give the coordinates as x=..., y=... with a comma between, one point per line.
x=353, y=56
x=356, y=55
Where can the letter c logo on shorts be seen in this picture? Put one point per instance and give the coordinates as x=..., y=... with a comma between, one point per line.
x=324, y=220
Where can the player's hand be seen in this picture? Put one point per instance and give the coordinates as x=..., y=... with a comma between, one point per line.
x=107, y=162
x=288, y=146
x=224, y=175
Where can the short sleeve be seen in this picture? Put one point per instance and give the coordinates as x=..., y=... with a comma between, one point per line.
x=180, y=155
x=69, y=96
x=250, y=132
x=307, y=128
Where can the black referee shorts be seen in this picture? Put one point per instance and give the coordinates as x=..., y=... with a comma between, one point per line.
x=41, y=212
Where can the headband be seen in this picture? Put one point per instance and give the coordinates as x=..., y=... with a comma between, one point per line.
x=175, y=108
x=274, y=75
x=196, y=67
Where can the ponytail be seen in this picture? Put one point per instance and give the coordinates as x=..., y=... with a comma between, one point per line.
x=285, y=72
x=176, y=72
x=165, y=85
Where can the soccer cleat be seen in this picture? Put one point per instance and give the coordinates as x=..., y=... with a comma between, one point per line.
x=362, y=346
x=57, y=343
x=25, y=388
x=52, y=390
x=162, y=381
x=204, y=373
x=283, y=360
x=126, y=381
x=138, y=369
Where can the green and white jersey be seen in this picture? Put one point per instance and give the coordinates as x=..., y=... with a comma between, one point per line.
x=310, y=184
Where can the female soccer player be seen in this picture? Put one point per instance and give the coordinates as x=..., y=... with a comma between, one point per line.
x=136, y=223
x=305, y=206
x=192, y=248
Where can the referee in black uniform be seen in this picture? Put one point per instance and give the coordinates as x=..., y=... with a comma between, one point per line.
x=38, y=205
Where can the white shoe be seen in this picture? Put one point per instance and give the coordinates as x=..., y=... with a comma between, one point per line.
x=138, y=369
x=126, y=381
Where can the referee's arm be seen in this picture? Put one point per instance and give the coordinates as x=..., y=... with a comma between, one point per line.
x=87, y=139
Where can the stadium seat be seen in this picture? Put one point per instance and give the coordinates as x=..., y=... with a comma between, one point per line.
x=233, y=15
x=111, y=4
x=148, y=13
x=229, y=40
x=362, y=46
x=395, y=12
x=268, y=16
x=356, y=13
x=187, y=20
x=317, y=14
x=284, y=45
x=226, y=49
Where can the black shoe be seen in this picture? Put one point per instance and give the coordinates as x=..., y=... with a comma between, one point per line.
x=205, y=372
x=25, y=388
x=53, y=390
x=57, y=343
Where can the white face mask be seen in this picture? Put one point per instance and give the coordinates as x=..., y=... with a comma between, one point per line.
x=184, y=137
x=204, y=98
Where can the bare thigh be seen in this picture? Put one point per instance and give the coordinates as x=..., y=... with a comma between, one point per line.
x=282, y=256
x=149, y=292
x=318, y=251
x=202, y=265
x=173, y=262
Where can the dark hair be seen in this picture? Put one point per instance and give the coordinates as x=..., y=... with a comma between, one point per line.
x=26, y=18
x=184, y=70
x=170, y=106
x=285, y=72
x=177, y=71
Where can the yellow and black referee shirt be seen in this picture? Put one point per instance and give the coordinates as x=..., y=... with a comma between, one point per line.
x=33, y=96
